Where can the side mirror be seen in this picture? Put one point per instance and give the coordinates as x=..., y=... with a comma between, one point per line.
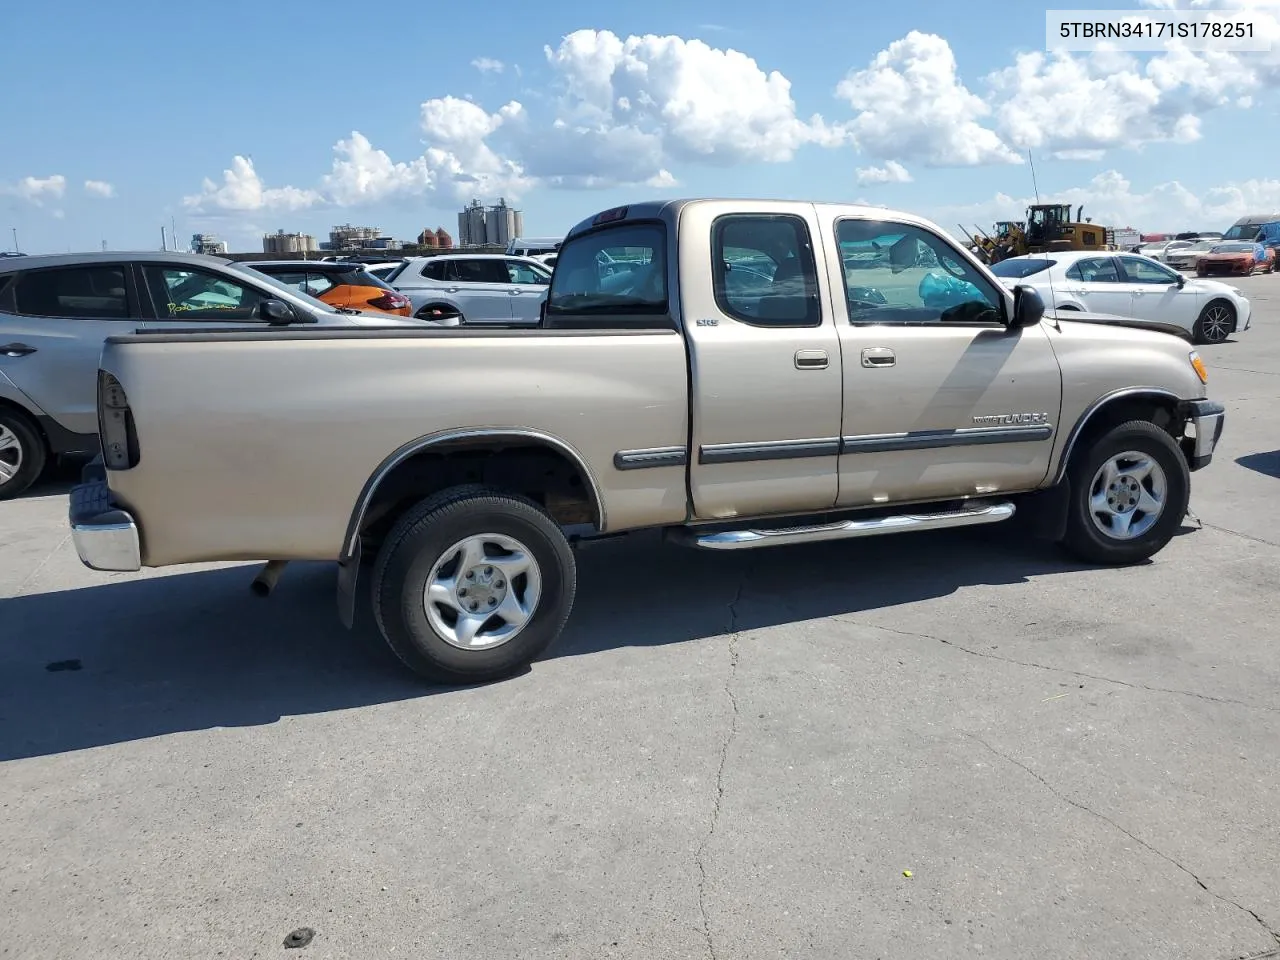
x=1181, y=281
x=1028, y=307
x=276, y=312
x=542, y=313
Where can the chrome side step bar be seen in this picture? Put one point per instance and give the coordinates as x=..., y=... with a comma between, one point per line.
x=846, y=529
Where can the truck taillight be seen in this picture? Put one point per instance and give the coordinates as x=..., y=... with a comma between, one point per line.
x=116, y=430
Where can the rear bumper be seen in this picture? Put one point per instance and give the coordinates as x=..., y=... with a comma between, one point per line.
x=1205, y=420
x=105, y=536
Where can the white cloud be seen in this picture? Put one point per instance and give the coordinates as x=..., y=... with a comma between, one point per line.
x=1110, y=200
x=681, y=99
x=488, y=65
x=37, y=190
x=242, y=190
x=912, y=105
x=99, y=188
x=891, y=172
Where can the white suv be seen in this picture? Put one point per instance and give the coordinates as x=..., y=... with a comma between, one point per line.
x=474, y=288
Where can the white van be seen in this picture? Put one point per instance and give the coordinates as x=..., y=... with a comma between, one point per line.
x=532, y=246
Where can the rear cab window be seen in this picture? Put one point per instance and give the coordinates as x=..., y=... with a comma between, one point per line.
x=617, y=272
x=76, y=293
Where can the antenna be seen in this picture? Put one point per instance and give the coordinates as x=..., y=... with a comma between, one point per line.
x=1053, y=297
x=1033, y=177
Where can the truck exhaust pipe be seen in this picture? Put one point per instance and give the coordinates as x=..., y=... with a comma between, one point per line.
x=267, y=578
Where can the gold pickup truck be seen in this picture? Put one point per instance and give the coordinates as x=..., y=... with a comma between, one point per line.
x=742, y=374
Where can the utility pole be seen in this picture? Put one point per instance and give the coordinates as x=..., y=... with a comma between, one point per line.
x=15, y=241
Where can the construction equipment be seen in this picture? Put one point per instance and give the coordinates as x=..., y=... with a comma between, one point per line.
x=1051, y=228
x=1007, y=240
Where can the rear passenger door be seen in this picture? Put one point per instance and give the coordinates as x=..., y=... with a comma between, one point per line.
x=481, y=288
x=765, y=359
x=1098, y=283
x=54, y=322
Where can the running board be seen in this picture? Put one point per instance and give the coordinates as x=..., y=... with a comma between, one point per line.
x=847, y=529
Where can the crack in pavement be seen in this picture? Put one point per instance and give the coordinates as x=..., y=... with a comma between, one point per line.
x=1064, y=670
x=1237, y=533
x=700, y=854
x=1261, y=373
x=1136, y=839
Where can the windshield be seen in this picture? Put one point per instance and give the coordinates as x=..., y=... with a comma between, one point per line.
x=1241, y=231
x=1235, y=247
x=1017, y=268
x=621, y=268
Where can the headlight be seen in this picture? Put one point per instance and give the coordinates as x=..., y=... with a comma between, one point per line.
x=1198, y=366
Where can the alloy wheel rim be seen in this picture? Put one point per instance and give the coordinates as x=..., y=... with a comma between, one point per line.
x=11, y=454
x=482, y=591
x=1217, y=323
x=1127, y=496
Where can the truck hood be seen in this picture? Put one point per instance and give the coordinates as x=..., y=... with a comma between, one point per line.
x=1067, y=317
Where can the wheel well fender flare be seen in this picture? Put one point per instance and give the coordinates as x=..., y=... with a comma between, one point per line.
x=1092, y=413
x=423, y=444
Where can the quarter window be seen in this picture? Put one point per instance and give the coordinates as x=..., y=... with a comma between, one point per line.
x=1094, y=270
x=763, y=270
x=1145, y=271
x=86, y=293
x=901, y=273
x=182, y=294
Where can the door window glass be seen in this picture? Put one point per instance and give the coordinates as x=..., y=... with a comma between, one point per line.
x=435, y=269
x=182, y=294
x=763, y=270
x=479, y=271
x=1094, y=270
x=1146, y=271
x=87, y=293
x=901, y=273
x=518, y=272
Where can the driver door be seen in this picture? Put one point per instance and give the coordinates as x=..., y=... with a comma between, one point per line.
x=940, y=398
x=1098, y=283
x=183, y=293
x=1160, y=293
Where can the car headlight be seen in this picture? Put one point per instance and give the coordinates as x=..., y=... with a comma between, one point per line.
x=1198, y=366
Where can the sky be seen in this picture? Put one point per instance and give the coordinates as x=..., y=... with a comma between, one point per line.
x=241, y=118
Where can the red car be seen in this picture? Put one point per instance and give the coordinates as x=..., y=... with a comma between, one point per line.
x=1236, y=258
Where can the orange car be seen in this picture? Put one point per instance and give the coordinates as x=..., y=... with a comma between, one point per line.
x=1232, y=257
x=337, y=283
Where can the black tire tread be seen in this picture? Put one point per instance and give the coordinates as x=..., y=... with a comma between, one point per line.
x=35, y=452
x=429, y=511
x=1080, y=542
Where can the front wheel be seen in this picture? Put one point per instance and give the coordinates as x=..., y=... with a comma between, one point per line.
x=1129, y=493
x=472, y=585
x=1215, y=323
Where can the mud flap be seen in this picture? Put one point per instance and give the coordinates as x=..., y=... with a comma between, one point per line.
x=1046, y=511
x=348, y=575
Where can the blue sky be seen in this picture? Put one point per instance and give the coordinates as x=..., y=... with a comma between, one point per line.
x=925, y=106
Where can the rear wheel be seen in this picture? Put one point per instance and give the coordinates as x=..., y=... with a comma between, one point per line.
x=440, y=313
x=1215, y=323
x=472, y=585
x=22, y=453
x=1129, y=493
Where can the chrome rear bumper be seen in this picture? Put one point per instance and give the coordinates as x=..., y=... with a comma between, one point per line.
x=105, y=536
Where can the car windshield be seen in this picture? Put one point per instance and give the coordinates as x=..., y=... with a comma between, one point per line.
x=1017, y=268
x=1241, y=231
x=1237, y=246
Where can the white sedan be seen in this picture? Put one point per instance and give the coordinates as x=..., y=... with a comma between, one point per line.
x=1128, y=285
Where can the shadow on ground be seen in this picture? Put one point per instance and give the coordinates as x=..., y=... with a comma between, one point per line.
x=1268, y=463
x=142, y=658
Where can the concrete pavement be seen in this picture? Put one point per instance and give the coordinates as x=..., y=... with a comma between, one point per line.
x=725, y=757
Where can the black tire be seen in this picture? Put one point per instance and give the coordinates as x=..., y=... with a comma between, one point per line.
x=1208, y=328
x=423, y=537
x=31, y=455
x=1083, y=536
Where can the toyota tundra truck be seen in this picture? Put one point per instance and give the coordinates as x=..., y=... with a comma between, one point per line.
x=740, y=374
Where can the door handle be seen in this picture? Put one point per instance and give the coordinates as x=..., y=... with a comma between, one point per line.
x=514, y=293
x=878, y=357
x=812, y=359
x=450, y=289
x=16, y=349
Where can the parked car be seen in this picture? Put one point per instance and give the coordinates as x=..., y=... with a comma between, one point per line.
x=1162, y=248
x=657, y=397
x=474, y=288
x=1247, y=227
x=56, y=311
x=339, y=284
x=1186, y=258
x=1128, y=285
x=384, y=268
x=532, y=246
x=1237, y=258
